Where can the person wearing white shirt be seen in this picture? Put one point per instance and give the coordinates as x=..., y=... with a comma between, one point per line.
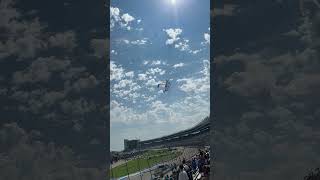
x=183, y=174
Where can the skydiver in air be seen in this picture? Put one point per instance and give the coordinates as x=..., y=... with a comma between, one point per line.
x=165, y=86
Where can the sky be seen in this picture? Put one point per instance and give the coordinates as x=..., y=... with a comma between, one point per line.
x=152, y=41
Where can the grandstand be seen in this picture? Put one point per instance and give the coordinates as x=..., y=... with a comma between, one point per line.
x=186, y=143
x=186, y=137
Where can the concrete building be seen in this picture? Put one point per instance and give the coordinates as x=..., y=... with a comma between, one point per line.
x=131, y=144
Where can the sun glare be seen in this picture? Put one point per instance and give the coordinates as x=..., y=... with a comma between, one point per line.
x=173, y=2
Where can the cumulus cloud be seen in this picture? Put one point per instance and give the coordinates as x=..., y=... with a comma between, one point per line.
x=140, y=41
x=197, y=85
x=152, y=82
x=126, y=41
x=192, y=109
x=154, y=71
x=114, y=16
x=156, y=62
x=145, y=62
x=143, y=41
x=114, y=52
x=178, y=65
x=195, y=51
x=173, y=35
x=124, y=85
x=127, y=18
x=182, y=45
x=130, y=74
x=124, y=21
x=116, y=72
x=142, y=77
x=206, y=38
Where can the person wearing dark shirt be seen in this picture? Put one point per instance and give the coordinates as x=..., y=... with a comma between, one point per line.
x=201, y=162
x=193, y=164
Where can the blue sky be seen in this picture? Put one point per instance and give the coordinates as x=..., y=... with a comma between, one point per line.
x=151, y=41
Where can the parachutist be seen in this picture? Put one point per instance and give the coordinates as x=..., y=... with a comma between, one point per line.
x=165, y=86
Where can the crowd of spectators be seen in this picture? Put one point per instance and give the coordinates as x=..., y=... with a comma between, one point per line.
x=198, y=167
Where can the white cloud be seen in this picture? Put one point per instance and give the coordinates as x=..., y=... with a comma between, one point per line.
x=122, y=83
x=116, y=72
x=156, y=62
x=207, y=38
x=183, y=113
x=183, y=45
x=114, y=52
x=173, y=35
x=152, y=82
x=145, y=62
x=114, y=16
x=123, y=20
x=138, y=21
x=130, y=74
x=115, y=12
x=178, y=65
x=127, y=18
x=206, y=68
x=134, y=42
x=139, y=42
x=154, y=71
x=126, y=41
x=122, y=114
x=196, y=51
x=142, y=77
x=126, y=89
x=197, y=84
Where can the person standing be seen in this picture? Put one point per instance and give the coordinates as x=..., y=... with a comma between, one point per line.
x=194, y=164
x=182, y=174
x=187, y=169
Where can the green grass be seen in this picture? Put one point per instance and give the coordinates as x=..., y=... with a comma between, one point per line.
x=155, y=157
